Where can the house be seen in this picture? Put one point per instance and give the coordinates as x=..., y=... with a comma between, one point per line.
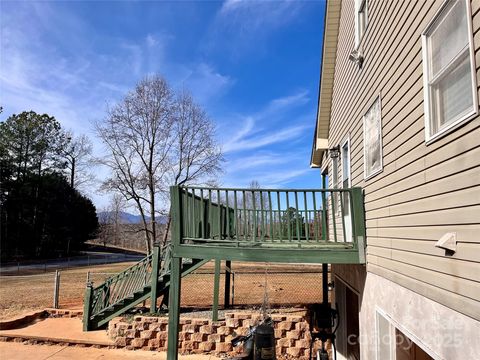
x=398, y=116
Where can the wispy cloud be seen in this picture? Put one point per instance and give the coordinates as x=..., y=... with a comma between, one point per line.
x=262, y=160
x=251, y=15
x=267, y=138
x=252, y=135
x=206, y=83
x=282, y=177
x=270, y=177
x=269, y=146
x=243, y=26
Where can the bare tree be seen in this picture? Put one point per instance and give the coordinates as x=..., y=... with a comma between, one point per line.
x=78, y=154
x=194, y=157
x=117, y=205
x=105, y=220
x=137, y=133
x=156, y=139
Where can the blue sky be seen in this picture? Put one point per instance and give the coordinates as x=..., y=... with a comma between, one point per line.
x=254, y=66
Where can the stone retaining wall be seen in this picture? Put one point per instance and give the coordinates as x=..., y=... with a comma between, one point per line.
x=64, y=313
x=204, y=336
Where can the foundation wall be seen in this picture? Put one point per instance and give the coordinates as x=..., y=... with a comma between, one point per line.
x=441, y=332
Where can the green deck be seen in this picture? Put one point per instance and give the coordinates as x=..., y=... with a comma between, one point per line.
x=262, y=225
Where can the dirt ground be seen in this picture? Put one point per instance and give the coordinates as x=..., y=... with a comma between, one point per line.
x=287, y=285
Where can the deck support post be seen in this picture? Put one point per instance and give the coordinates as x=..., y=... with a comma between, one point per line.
x=216, y=290
x=228, y=274
x=175, y=273
x=154, y=277
x=174, y=308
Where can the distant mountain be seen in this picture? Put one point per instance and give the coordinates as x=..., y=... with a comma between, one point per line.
x=127, y=218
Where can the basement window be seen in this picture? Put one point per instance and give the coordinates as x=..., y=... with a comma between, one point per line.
x=449, y=70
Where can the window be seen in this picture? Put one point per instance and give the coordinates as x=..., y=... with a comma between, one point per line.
x=346, y=183
x=346, y=164
x=372, y=140
x=448, y=68
x=335, y=172
x=361, y=20
x=385, y=338
x=335, y=183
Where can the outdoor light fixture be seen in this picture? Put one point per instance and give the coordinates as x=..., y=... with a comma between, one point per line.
x=331, y=286
x=334, y=152
x=357, y=57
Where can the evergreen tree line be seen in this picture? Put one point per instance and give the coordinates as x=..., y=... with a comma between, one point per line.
x=41, y=212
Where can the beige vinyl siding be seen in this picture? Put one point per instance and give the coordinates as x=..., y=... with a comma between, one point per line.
x=423, y=191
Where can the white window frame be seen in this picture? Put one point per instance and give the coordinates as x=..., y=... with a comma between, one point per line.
x=360, y=6
x=346, y=140
x=391, y=328
x=429, y=138
x=397, y=326
x=376, y=172
x=335, y=181
x=335, y=172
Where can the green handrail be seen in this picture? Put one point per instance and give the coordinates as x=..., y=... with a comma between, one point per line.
x=262, y=217
x=125, y=284
x=116, y=288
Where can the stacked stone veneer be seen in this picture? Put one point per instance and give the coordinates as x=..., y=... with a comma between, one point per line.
x=205, y=336
x=63, y=313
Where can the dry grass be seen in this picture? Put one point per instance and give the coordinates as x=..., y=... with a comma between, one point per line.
x=287, y=285
x=20, y=294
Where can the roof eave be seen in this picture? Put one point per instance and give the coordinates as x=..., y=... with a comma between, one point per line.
x=327, y=72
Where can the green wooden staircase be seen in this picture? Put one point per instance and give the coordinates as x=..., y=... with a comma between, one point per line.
x=132, y=286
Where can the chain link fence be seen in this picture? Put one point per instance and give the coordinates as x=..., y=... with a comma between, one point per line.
x=285, y=285
x=28, y=292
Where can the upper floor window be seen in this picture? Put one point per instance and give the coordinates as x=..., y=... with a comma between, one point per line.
x=361, y=20
x=372, y=140
x=448, y=68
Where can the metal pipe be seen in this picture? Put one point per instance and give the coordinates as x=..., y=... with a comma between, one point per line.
x=325, y=283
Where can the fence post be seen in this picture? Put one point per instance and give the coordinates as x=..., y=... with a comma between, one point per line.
x=233, y=288
x=56, y=292
x=154, y=278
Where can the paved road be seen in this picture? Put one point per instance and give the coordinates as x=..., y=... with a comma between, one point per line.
x=89, y=258
x=19, y=351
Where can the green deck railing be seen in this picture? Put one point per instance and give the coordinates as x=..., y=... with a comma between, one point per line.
x=266, y=225
x=271, y=217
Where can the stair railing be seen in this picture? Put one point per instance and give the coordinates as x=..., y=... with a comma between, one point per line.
x=121, y=286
